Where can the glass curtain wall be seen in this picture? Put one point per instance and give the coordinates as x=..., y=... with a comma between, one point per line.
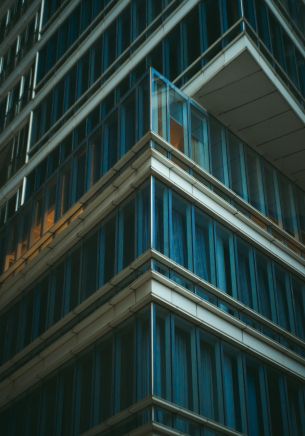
x=193, y=239
x=73, y=167
x=195, y=133
x=111, y=247
x=203, y=373
x=107, y=378
x=193, y=369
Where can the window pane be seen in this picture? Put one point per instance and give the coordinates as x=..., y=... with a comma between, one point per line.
x=108, y=247
x=264, y=284
x=182, y=359
x=104, y=390
x=255, y=188
x=231, y=391
x=283, y=297
x=48, y=421
x=125, y=363
x=208, y=380
x=296, y=405
x=58, y=292
x=81, y=172
x=110, y=141
x=204, y=250
x=75, y=274
x=298, y=289
x=225, y=259
x=217, y=150
x=254, y=401
x=143, y=219
x=36, y=220
x=128, y=233
x=245, y=273
x=180, y=237
x=85, y=392
x=161, y=219
x=287, y=205
x=275, y=404
x=67, y=406
x=65, y=190
x=272, y=207
x=90, y=263
x=236, y=164
x=128, y=124
x=49, y=213
x=199, y=139
x=162, y=356
x=178, y=136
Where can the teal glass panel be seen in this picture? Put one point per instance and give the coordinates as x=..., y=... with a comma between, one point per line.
x=180, y=232
x=232, y=393
x=245, y=273
x=254, y=400
x=225, y=268
x=208, y=379
x=204, y=263
x=199, y=138
x=264, y=286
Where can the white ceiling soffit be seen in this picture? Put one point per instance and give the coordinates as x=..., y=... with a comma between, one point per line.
x=242, y=91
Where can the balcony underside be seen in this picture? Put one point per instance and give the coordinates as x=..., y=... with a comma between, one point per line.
x=242, y=91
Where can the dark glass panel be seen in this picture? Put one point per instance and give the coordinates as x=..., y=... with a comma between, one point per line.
x=180, y=234
x=283, y=298
x=128, y=233
x=109, y=257
x=245, y=273
x=208, y=379
x=254, y=400
x=75, y=277
x=204, y=247
x=231, y=387
x=264, y=285
x=199, y=139
x=80, y=174
x=254, y=180
x=49, y=397
x=182, y=362
x=85, y=392
x=276, y=406
x=90, y=265
x=67, y=402
x=125, y=366
x=106, y=371
x=128, y=123
x=298, y=289
x=217, y=145
x=236, y=165
x=225, y=260
x=65, y=197
x=110, y=142
x=271, y=197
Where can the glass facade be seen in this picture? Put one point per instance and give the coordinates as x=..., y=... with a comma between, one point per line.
x=195, y=240
x=193, y=369
x=87, y=390
x=197, y=134
x=152, y=263
x=204, y=374
x=87, y=267
x=72, y=168
x=105, y=136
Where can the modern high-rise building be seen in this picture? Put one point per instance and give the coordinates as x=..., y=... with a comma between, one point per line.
x=152, y=217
